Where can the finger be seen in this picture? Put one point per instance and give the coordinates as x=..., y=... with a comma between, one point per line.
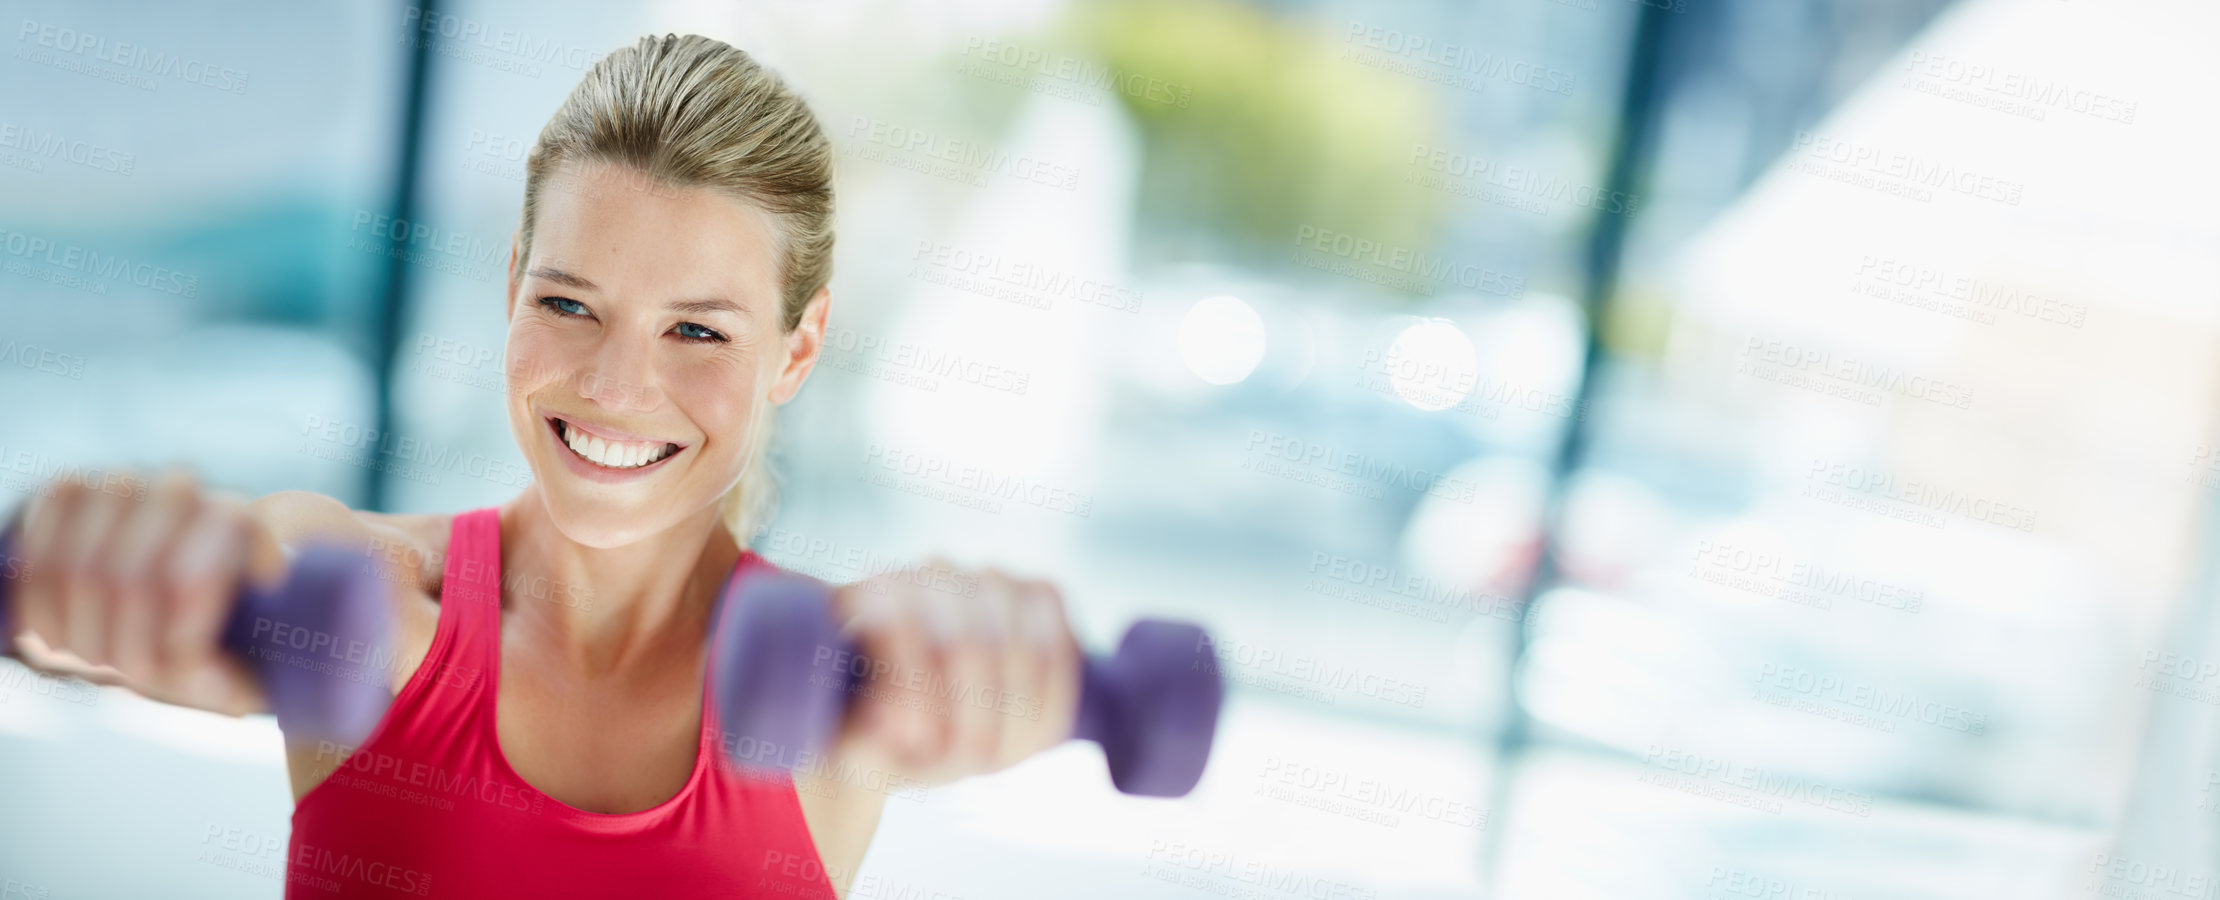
x=38, y=606
x=1028, y=674
x=44, y=659
x=145, y=538
x=88, y=591
x=937, y=630
x=41, y=520
x=178, y=500
x=202, y=576
x=1054, y=692
x=261, y=553
x=894, y=639
x=35, y=654
x=865, y=727
x=974, y=667
x=1026, y=671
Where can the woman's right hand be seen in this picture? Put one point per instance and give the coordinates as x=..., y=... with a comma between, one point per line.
x=129, y=582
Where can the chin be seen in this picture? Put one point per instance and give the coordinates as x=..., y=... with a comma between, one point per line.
x=592, y=516
x=605, y=525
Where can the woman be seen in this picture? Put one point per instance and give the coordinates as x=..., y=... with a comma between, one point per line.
x=667, y=290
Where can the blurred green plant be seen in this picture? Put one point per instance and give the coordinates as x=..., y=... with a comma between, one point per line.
x=1276, y=131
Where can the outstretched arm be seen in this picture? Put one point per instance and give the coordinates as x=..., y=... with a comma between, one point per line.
x=129, y=581
x=971, y=671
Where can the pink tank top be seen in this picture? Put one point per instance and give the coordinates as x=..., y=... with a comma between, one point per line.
x=429, y=807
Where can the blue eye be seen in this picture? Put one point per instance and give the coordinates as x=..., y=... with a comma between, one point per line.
x=564, y=305
x=693, y=332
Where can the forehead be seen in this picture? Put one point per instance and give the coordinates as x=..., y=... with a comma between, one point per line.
x=630, y=234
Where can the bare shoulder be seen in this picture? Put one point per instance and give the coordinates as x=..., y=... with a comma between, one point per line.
x=411, y=547
x=408, y=551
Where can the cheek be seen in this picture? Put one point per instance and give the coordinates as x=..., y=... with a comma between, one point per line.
x=536, y=357
x=716, y=394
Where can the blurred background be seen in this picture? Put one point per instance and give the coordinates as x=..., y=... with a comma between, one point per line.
x=1626, y=448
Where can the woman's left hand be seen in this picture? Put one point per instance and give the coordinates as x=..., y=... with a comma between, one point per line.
x=970, y=671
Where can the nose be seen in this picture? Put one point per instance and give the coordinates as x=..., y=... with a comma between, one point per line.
x=620, y=376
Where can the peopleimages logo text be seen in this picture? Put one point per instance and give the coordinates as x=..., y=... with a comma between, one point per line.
x=135, y=57
x=46, y=145
x=1423, y=268
x=113, y=267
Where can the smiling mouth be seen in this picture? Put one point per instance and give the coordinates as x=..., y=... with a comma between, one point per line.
x=610, y=454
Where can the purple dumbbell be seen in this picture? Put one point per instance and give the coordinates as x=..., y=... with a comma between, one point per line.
x=784, y=674
x=320, y=644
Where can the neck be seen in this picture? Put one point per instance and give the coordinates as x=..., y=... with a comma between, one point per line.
x=604, y=609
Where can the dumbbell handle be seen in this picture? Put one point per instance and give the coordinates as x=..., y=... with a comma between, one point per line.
x=318, y=645
x=785, y=675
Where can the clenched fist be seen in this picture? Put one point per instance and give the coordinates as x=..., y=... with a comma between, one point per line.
x=125, y=581
x=964, y=671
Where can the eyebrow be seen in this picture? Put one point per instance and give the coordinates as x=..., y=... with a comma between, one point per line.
x=685, y=306
x=563, y=278
x=707, y=306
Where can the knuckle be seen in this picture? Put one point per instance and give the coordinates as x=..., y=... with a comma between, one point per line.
x=224, y=511
x=126, y=484
x=88, y=496
x=1040, y=596
x=1051, y=594
x=66, y=491
x=177, y=482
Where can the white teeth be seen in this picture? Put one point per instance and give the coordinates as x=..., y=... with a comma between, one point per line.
x=612, y=454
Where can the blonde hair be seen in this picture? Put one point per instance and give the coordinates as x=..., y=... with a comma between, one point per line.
x=695, y=112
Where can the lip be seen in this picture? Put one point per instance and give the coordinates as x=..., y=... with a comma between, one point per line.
x=610, y=434
x=600, y=474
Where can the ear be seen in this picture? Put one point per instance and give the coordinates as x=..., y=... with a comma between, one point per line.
x=803, y=345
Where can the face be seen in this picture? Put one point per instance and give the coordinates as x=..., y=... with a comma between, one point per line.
x=644, y=344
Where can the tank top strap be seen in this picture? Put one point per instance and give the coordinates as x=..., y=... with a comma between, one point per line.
x=470, y=589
